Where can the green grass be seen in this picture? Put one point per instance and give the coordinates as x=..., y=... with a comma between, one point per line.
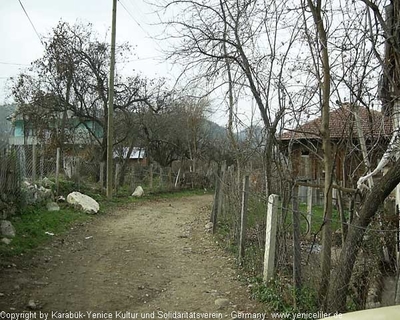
x=33, y=223
x=278, y=294
x=318, y=218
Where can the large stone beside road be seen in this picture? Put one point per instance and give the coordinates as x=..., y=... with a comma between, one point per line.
x=83, y=202
x=7, y=229
x=138, y=192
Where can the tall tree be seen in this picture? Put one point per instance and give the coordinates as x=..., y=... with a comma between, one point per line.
x=317, y=13
x=239, y=45
x=389, y=93
x=73, y=72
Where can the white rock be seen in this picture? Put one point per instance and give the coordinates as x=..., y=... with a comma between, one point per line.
x=138, y=192
x=7, y=229
x=60, y=199
x=31, y=304
x=52, y=206
x=6, y=241
x=83, y=202
x=221, y=303
x=208, y=226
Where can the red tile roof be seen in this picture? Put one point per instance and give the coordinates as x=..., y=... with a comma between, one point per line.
x=342, y=125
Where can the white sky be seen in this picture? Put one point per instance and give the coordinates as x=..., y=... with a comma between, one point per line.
x=20, y=45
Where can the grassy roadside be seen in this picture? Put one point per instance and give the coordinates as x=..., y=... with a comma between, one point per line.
x=35, y=225
x=277, y=295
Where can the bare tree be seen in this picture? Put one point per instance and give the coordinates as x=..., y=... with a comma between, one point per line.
x=236, y=44
x=389, y=94
x=73, y=73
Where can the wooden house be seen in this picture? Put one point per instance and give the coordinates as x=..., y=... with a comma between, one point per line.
x=304, y=145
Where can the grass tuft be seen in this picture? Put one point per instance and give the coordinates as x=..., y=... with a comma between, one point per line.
x=33, y=223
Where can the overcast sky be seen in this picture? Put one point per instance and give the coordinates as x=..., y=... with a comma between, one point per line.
x=20, y=45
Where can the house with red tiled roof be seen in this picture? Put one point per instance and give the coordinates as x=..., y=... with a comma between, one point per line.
x=304, y=144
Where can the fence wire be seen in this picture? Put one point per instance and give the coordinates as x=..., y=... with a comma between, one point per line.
x=375, y=271
x=25, y=169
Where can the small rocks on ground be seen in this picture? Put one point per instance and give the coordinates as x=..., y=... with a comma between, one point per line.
x=52, y=206
x=31, y=304
x=221, y=303
x=7, y=229
x=6, y=241
x=208, y=226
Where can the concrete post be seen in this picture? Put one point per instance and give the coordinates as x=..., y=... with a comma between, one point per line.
x=270, y=240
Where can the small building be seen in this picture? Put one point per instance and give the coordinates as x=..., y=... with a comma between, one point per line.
x=76, y=131
x=304, y=145
x=36, y=140
x=5, y=126
x=137, y=155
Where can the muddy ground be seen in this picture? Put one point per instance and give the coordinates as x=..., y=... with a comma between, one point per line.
x=146, y=259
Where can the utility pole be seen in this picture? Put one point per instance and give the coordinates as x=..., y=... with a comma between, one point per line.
x=110, y=122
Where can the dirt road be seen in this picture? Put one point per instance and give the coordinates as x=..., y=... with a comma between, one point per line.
x=141, y=261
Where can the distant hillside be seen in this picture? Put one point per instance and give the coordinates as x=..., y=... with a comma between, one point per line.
x=255, y=133
x=214, y=130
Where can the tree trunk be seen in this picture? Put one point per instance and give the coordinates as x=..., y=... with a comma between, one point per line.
x=342, y=275
x=326, y=145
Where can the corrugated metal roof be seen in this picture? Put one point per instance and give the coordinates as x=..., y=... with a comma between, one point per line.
x=137, y=153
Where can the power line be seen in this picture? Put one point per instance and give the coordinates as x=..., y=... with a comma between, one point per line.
x=141, y=59
x=140, y=26
x=131, y=15
x=14, y=64
x=33, y=26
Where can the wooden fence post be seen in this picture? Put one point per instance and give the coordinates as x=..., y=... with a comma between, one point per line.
x=221, y=195
x=132, y=178
x=270, y=237
x=309, y=211
x=161, y=182
x=216, y=196
x=296, y=243
x=57, y=170
x=343, y=225
x=102, y=165
x=151, y=177
x=78, y=172
x=41, y=165
x=177, y=177
x=34, y=161
x=116, y=177
x=243, y=219
x=169, y=178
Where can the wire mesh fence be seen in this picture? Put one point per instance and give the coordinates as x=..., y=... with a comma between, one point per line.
x=374, y=273
x=27, y=172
